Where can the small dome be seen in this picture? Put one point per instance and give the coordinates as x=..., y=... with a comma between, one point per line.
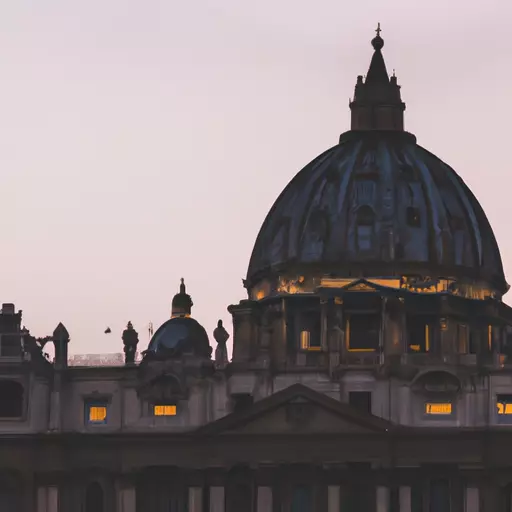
x=178, y=336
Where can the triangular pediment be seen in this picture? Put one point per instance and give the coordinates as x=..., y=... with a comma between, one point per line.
x=297, y=410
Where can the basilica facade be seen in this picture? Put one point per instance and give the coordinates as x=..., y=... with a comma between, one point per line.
x=371, y=367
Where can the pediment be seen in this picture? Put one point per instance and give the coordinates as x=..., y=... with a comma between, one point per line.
x=361, y=285
x=297, y=410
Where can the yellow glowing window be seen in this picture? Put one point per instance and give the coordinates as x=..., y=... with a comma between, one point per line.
x=164, y=410
x=97, y=413
x=438, y=409
x=305, y=341
x=504, y=408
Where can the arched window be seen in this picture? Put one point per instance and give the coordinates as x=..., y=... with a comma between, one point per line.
x=94, y=498
x=11, y=399
x=365, y=227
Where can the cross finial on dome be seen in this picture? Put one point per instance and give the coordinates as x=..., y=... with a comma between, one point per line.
x=377, y=41
x=181, y=303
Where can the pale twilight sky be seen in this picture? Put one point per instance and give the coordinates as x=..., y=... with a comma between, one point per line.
x=145, y=141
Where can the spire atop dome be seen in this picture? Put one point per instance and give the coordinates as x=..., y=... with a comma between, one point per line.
x=377, y=103
x=377, y=73
x=182, y=302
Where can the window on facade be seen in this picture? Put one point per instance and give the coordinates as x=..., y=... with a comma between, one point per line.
x=439, y=499
x=504, y=408
x=473, y=341
x=365, y=226
x=462, y=338
x=10, y=345
x=438, y=408
x=302, y=499
x=309, y=330
x=361, y=400
x=242, y=401
x=412, y=216
x=419, y=335
x=11, y=399
x=363, y=332
x=94, y=498
x=164, y=410
x=489, y=338
x=96, y=412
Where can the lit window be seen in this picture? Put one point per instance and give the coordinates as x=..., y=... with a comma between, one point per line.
x=504, y=408
x=420, y=334
x=96, y=413
x=305, y=341
x=438, y=409
x=164, y=410
x=489, y=337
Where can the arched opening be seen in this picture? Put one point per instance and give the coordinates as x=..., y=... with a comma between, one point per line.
x=11, y=399
x=365, y=227
x=94, y=498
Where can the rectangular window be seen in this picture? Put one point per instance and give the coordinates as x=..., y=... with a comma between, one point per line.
x=363, y=332
x=361, y=400
x=309, y=329
x=489, y=337
x=164, y=410
x=504, y=408
x=438, y=408
x=462, y=338
x=96, y=412
x=420, y=335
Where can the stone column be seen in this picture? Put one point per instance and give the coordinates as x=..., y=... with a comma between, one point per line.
x=195, y=499
x=471, y=499
x=382, y=501
x=333, y=498
x=217, y=499
x=48, y=499
x=126, y=496
x=264, y=499
x=404, y=496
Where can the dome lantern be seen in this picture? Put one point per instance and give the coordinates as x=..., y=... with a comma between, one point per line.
x=377, y=102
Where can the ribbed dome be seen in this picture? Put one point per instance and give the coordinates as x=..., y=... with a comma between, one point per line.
x=377, y=204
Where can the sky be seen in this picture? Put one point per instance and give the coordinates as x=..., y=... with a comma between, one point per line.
x=141, y=142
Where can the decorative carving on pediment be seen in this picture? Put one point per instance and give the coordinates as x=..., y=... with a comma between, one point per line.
x=299, y=412
x=166, y=388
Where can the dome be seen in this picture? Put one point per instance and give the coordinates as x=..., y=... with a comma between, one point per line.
x=377, y=204
x=178, y=336
x=181, y=334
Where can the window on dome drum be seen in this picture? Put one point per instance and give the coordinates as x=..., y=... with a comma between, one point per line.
x=164, y=410
x=11, y=399
x=96, y=412
x=363, y=332
x=504, y=408
x=419, y=335
x=361, y=400
x=365, y=227
x=309, y=331
x=412, y=217
x=438, y=409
